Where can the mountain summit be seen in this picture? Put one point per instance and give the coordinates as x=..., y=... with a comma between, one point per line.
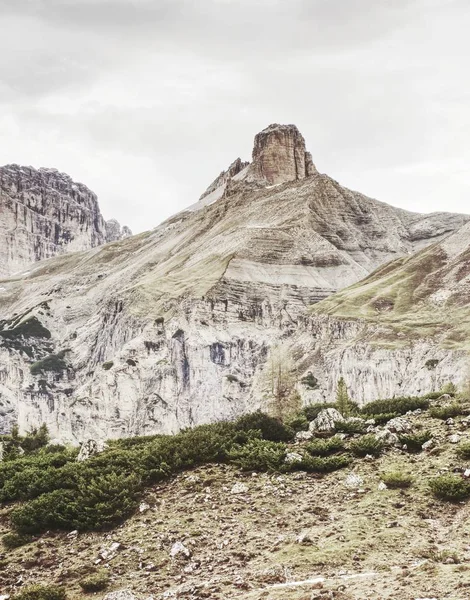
x=279, y=156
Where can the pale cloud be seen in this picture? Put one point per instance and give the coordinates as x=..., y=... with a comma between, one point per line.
x=147, y=101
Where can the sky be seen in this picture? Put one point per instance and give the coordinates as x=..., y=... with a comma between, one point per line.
x=147, y=101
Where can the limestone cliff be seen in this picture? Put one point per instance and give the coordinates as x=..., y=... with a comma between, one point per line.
x=180, y=325
x=43, y=213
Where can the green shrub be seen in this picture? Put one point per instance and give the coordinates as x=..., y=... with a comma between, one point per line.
x=107, y=365
x=397, y=479
x=463, y=450
x=381, y=418
x=297, y=422
x=321, y=447
x=98, y=503
x=447, y=412
x=450, y=487
x=310, y=381
x=365, y=445
x=41, y=592
x=415, y=441
x=258, y=455
x=271, y=429
x=53, y=362
x=322, y=464
x=395, y=405
x=15, y=540
x=32, y=327
x=95, y=583
x=350, y=427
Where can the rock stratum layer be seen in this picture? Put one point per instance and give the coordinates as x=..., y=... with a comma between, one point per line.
x=185, y=324
x=43, y=213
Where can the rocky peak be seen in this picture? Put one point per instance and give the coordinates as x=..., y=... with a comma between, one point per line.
x=280, y=156
x=114, y=231
x=234, y=169
x=43, y=212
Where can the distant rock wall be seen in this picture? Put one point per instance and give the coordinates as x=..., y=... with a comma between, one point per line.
x=43, y=213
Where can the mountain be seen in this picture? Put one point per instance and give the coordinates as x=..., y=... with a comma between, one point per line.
x=43, y=213
x=184, y=324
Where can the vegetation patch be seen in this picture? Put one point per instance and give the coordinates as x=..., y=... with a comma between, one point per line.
x=447, y=412
x=95, y=583
x=107, y=365
x=54, y=363
x=463, y=451
x=321, y=447
x=352, y=427
x=414, y=441
x=398, y=406
x=365, y=445
x=397, y=479
x=31, y=327
x=41, y=592
x=451, y=488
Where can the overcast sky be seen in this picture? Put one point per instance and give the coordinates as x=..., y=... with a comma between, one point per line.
x=146, y=101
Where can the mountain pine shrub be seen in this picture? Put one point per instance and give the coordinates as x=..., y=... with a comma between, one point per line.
x=368, y=444
x=451, y=488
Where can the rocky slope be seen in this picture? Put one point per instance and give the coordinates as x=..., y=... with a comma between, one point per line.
x=254, y=536
x=187, y=323
x=44, y=213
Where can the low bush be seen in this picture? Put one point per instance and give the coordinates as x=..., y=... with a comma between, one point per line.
x=451, y=488
x=447, y=412
x=97, y=503
x=41, y=592
x=53, y=362
x=258, y=455
x=297, y=422
x=365, y=445
x=397, y=479
x=95, y=583
x=415, y=441
x=399, y=406
x=326, y=447
x=15, y=540
x=381, y=418
x=107, y=365
x=322, y=464
x=351, y=427
x=463, y=450
x=271, y=429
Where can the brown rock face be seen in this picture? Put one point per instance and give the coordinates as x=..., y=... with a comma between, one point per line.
x=279, y=156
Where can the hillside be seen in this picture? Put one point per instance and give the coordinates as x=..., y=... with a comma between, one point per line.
x=424, y=295
x=179, y=325
x=217, y=532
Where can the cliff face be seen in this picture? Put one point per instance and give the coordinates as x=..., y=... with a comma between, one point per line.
x=44, y=213
x=181, y=325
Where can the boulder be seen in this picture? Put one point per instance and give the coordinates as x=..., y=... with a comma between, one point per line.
x=121, y=595
x=293, y=457
x=325, y=421
x=179, y=550
x=387, y=437
x=90, y=448
x=399, y=425
x=239, y=488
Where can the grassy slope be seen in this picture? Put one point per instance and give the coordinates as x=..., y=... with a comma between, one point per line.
x=400, y=296
x=243, y=544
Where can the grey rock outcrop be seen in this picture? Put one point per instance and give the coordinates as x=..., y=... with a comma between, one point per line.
x=44, y=213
